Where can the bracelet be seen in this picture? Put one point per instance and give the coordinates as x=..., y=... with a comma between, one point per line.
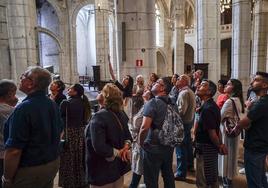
x=4, y=180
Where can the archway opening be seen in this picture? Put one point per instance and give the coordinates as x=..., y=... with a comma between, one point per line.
x=226, y=51
x=226, y=11
x=86, y=40
x=189, y=16
x=159, y=26
x=161, y=65
x=48, y=47
x=188, y=58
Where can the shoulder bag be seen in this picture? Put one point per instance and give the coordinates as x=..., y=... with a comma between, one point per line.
x=230, y=123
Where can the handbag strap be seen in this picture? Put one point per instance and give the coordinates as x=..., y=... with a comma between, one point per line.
x=235, y=109
x=66, y=120
x=117, y=119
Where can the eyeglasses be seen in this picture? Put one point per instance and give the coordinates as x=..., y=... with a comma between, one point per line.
x=25, y=76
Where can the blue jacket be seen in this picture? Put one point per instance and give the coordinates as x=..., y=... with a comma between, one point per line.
x=34, y=127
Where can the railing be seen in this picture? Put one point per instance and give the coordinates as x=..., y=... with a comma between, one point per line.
x=224, y=29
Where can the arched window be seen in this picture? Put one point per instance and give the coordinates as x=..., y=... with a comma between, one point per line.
x=159, y=27
x=226, y=11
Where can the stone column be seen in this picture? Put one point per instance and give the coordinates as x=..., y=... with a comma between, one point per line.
x=241, y=35
x=5, y=68
x=103, y=12
x=179, y=36
x=139, y=19
x=260, y=37
x=22, y=41
x=208, y=36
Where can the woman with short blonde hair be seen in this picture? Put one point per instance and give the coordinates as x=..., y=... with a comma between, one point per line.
x=108, y=142
x=113, y=98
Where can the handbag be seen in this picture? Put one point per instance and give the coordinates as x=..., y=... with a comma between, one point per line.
x=230, y=123
x=63, y=141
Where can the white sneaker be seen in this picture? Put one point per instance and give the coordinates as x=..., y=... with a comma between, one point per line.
x=142, y=185
x=242, y=171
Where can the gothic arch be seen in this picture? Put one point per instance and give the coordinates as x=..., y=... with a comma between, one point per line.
x=161, y=61
x=59, y=38
x=77, y=8
x=189, y=58
x=51, y=34
x=192, y=4
x=57, y=9
x=160, y=50
x=226, y=45
x=163, y=6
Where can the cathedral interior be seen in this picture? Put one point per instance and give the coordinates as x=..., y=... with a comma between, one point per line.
x=73, y=38
x=225, y=38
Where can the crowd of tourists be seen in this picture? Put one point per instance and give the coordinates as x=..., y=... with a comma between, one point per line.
x=49, y=133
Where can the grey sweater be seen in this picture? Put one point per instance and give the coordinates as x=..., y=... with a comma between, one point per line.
x=186, y=104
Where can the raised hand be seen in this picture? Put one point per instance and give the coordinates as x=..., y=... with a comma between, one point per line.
x=111, y=68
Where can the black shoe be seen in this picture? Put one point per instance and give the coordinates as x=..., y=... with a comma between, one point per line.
x=178, y=178
x=226, y=183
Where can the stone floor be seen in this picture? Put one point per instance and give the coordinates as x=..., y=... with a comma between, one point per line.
x=238, y=182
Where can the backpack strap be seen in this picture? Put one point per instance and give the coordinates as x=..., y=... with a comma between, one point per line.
x=166, y=102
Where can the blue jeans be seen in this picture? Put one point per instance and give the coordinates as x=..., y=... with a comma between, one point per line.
x=255, y=169
x=158, y=158
x=135, y=180
x=184, y=153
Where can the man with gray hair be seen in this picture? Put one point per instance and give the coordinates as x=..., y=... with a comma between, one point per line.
x=208, y=138
x=32, y=135
x=186, y=108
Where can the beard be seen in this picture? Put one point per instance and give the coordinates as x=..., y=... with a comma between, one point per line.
x=256, y=89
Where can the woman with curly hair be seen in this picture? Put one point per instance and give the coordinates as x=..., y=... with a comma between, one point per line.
x=108, y=142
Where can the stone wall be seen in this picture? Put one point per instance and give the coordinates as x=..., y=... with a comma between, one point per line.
x=5, y=68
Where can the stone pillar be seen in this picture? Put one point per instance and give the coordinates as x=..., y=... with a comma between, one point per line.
x=208, y=36
x=5, y=68
x=241, y=35
x=139, y=19
x=260, y=37
x=22, y=41
x=103, y=12
x=179, y=36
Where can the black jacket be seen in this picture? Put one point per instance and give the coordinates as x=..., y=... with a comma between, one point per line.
x=102, y=135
